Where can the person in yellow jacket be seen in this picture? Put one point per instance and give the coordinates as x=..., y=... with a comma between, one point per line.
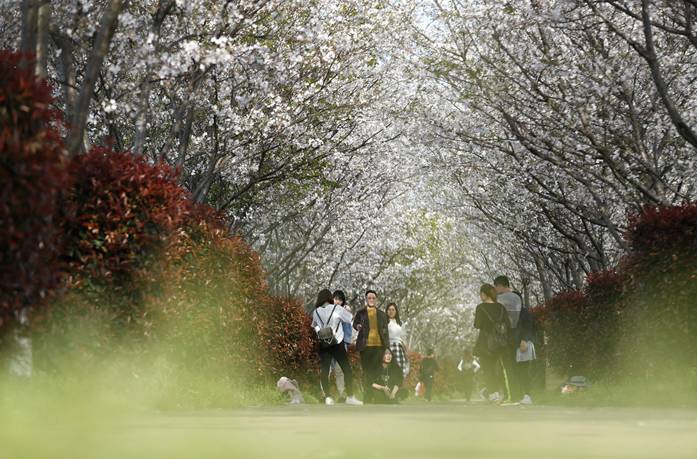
x=373, y=339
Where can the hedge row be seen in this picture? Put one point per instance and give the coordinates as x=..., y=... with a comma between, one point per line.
x=33, y=177
x=117, y=244
x=637, y=322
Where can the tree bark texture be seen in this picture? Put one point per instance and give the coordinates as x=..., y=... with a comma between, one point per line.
x=75, y=141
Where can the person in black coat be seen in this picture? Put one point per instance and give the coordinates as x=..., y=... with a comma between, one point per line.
x=488, y=317
x=373, y=338
x=387, y=381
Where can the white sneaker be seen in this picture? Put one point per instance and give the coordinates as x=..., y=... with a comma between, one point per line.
x=526, y=400
x=352, y=400
x=328, y=401
x=495, y=397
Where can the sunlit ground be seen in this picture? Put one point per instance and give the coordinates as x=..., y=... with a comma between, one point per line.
x=414, y=430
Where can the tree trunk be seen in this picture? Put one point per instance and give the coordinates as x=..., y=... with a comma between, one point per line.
x=141, y=125
x=544, y=280
x=67, y=70
x=185, y=133
x=43, y=23
x=30, y=15
x=526, y=291
x=76, y=136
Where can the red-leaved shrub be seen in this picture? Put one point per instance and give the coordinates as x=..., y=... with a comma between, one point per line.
x=212, y=313
x=33, y=178
x=602, y=313
x=566, y=331
x=290, y=340
x=148, y=265
x=663, y=238
x=662, y=267
x=583, y=328
x=124, y=209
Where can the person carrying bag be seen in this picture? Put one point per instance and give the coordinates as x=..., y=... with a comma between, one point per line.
x=326, y=321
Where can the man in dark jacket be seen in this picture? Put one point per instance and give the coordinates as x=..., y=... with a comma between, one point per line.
x=372, y=340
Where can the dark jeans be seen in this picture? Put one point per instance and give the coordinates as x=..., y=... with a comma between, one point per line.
x=493, y=374
x=379, y=397
x=371, y=360
x=428, y=382
x=338, y=353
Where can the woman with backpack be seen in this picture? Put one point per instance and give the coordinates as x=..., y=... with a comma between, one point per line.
x=327, y=320
x=491, y=319
x=340, y=300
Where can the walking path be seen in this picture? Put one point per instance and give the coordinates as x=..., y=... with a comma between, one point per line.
x=416, y=430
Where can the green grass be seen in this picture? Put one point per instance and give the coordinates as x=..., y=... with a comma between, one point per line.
x=413, y=430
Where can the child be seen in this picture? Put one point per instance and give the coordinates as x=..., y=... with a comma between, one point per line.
x=467, y=367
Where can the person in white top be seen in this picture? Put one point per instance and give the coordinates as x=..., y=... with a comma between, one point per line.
x=398, y=335
x=340, y=300
x=327, y=319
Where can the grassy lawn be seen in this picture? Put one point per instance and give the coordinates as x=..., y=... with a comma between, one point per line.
x=414, y=430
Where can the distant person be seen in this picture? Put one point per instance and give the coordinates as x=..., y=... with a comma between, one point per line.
x=467, y=368
x=513, y=303
x=340, y=300
x=372, y=340
x=525, y=354
x=397, y=338
x=387, y=383
x=429, y=366
x=491, y=319
x=326, y=320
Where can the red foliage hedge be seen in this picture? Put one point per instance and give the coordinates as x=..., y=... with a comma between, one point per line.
x=171, y=270
x=564, y=330
x=290, y=340
x=663, y=235
x=124, y=209
x=33, y=177
x=640, y=315
x=662, y=265
x=583, y=328
x=214, y=313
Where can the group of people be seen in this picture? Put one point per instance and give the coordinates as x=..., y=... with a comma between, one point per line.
x=505, y=345
x=503, y=350
x=379, y=340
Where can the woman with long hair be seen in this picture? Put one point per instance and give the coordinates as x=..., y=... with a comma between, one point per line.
x=327, y=319
x=387, y=381
x=493, y=323
x=398, y=336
